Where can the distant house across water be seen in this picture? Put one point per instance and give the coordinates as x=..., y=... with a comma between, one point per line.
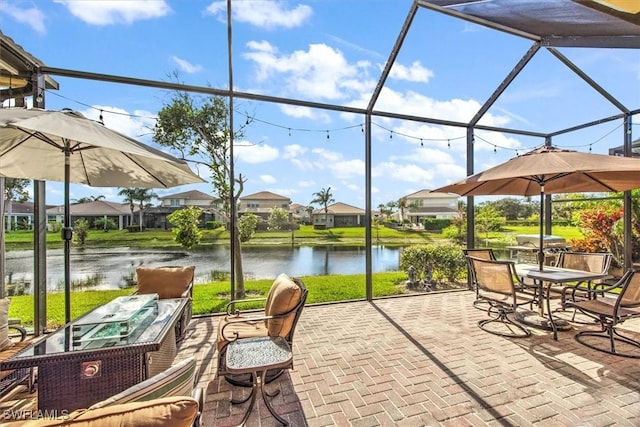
x=338, y=215
x=261, y=204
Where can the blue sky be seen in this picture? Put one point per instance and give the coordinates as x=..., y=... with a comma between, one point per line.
x=327, y=51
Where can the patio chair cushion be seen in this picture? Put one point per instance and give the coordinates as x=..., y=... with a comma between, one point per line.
x=175, y=381
x=246, y=329
x=283, y=296
x=5, y=341
x=174, y=411
x=167, y=282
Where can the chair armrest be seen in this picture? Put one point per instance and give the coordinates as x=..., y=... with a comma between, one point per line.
x=233, y=303
x=188, y=292
x=248, y=320
x=598, y=289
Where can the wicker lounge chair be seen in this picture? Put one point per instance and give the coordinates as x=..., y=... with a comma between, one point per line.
x=610, y=311
x=283, y=307
x=499, y=286
x=169, y=282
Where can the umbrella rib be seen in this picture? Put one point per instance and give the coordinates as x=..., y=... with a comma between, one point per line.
x=600, y=182
x=161, y=182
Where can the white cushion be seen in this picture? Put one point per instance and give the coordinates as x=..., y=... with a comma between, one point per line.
x=175, y=381
x=5, y=341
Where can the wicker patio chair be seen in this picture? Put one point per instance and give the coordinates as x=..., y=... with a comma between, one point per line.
x=610, y=311
x=169, y=282
x=500, y=287
x=12, y=340
x=482, y=254
x=283, y=307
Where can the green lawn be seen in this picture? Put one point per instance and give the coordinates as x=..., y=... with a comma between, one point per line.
x=213, y=297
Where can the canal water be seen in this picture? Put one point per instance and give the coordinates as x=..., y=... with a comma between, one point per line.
x=114, y=268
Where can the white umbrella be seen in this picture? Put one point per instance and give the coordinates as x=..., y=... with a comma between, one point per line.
x=66, y=146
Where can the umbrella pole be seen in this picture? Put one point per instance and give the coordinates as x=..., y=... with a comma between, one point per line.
x=67, y=232
x=541, y=243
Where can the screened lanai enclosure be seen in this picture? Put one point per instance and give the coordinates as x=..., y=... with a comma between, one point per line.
x=546, y=36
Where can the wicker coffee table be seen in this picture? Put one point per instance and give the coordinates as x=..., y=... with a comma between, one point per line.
x=256, y=356
x=72, y=376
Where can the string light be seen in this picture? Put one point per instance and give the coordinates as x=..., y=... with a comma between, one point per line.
x=391, y=132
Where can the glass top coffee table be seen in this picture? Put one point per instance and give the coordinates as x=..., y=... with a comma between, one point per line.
x=75, y=371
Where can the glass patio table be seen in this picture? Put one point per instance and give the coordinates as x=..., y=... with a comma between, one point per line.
x=95, y=356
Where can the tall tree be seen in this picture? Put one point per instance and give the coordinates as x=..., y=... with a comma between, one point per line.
x=129, y=196
x=323, y=198
x=143, y=195
x=14, y=189
x=198, y=128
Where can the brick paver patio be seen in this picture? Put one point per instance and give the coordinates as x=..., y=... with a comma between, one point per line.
x=422, y=361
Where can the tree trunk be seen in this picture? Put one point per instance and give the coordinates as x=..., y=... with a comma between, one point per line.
x=140, y=217
x=237, y=263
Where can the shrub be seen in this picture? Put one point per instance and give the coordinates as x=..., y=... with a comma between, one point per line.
x=212, y=225
x=446, y=262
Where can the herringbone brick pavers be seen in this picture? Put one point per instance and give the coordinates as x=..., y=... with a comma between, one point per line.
x=422, y=361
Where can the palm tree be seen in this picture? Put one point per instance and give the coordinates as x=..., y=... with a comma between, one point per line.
x=128, y=195
x=143, y=195
x=323, y=197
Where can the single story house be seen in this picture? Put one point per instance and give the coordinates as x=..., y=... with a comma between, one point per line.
x=338, y=215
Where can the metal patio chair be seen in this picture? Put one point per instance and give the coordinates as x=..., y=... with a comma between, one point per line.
x=500, y=287
x=610, y=311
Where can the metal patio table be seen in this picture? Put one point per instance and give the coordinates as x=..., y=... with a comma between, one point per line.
x=70, y=376
x=550, y=276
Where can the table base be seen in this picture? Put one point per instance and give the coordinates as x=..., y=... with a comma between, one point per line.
x=255, y=389
x=533, y=318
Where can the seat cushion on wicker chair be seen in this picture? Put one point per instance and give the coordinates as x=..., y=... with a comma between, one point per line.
x=5, y=341
x=283, y=297
x=175, y=381
x=174, y=411
x=167, y=282
x=247, y=329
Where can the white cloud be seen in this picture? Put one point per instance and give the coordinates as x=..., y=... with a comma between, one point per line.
x=339, y=167
x=402, y=172
x=321, y=72
x=33, y=17
x=293, y=151
x=263, y=14
x=106, y=12
x=304, y=112
x=268, y=179
x=186, y=66
x=306, y=183
x=253, y=154
x=415, y=73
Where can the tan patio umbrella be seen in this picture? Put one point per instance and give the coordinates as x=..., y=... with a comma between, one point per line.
x=66, y=146
x=551, y=170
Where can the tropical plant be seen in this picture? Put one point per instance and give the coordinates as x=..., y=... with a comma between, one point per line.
x=143, y=195
x=129, y=196
x=185, y=226
x=247, y=226
x=81, y=230
x=323, y=198
x=198, y=128
x=278, y=219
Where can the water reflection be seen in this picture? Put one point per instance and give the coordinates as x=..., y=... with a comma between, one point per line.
x=114, y=267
